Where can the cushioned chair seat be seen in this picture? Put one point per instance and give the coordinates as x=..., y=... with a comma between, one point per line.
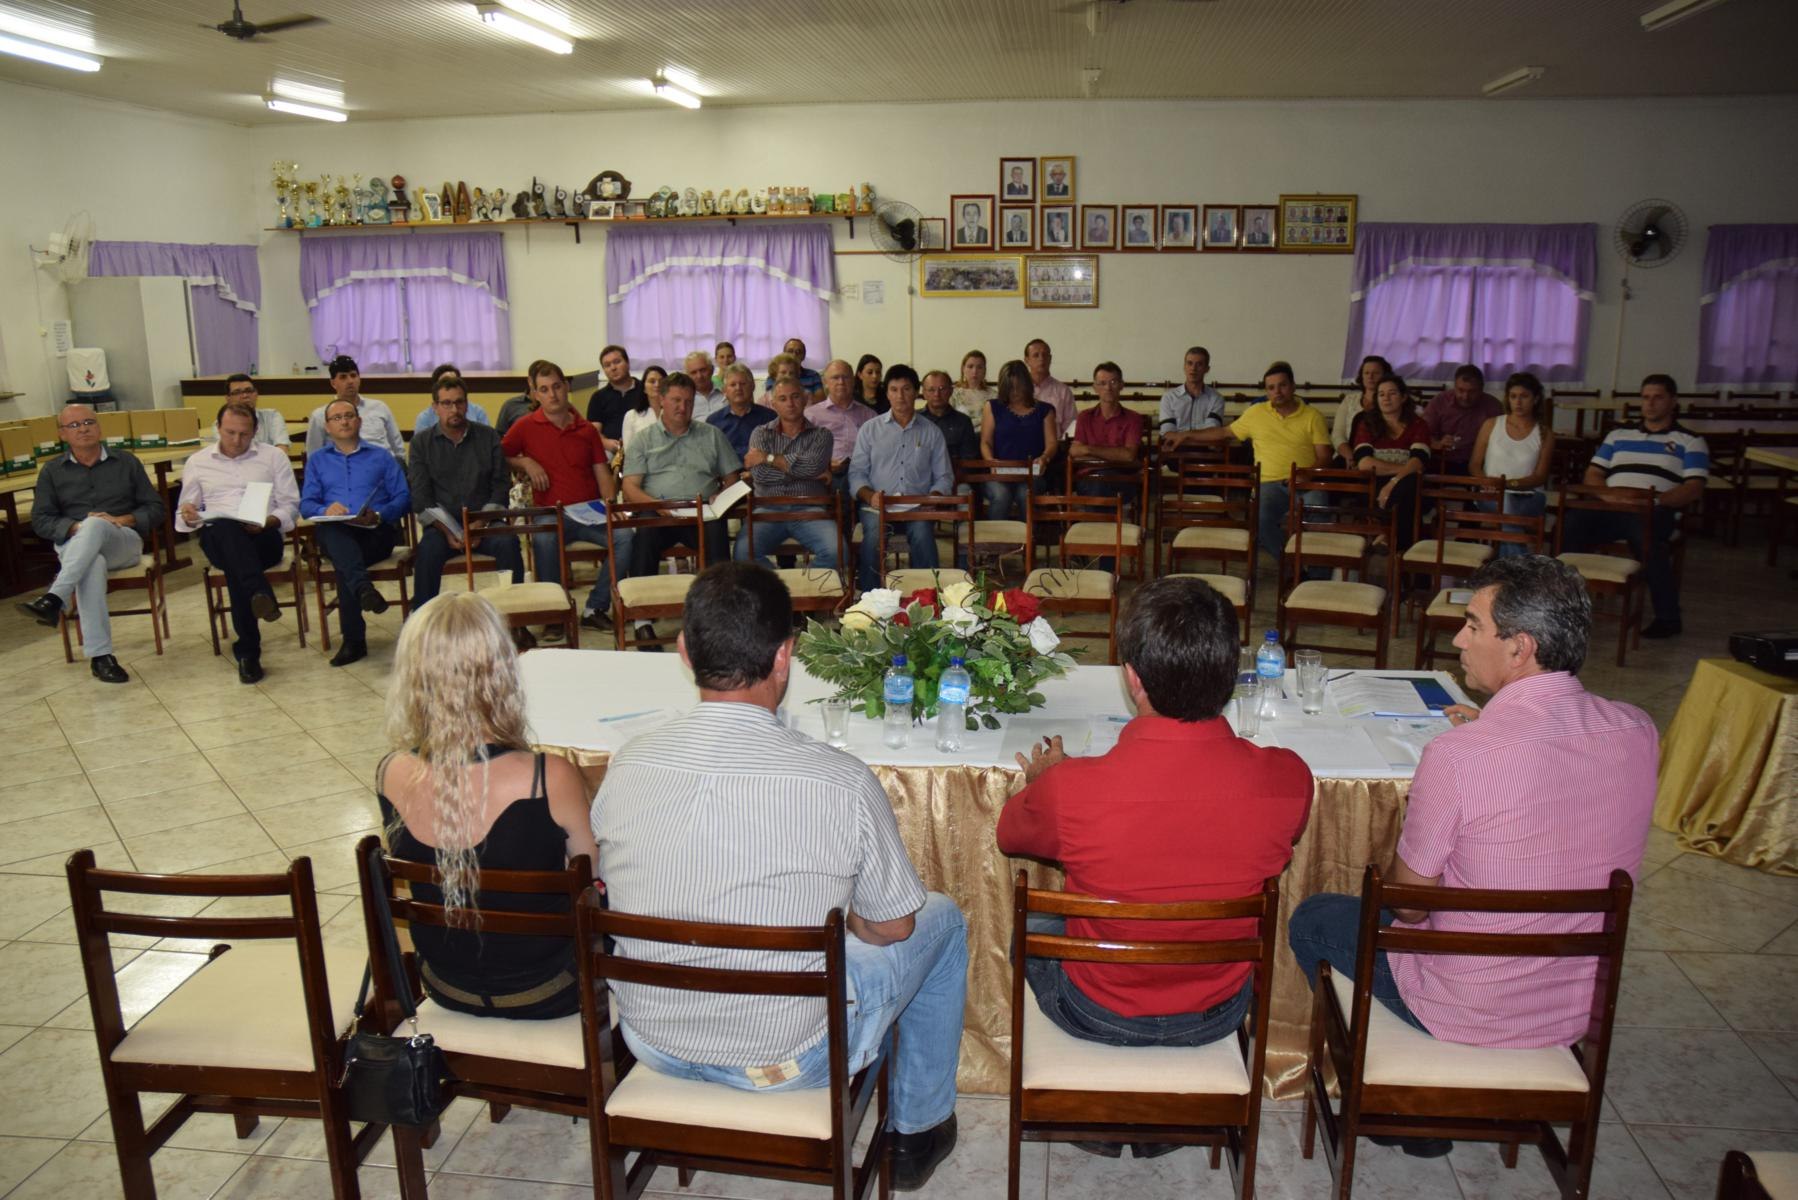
x=554, y=1043
x=1778, y=1172
x=1202, y=537
x=1442, y=606
x=811, y=581
x=1604, y=568
x=906, y=580
x=1714, y=484
x=1398, y=1055
x=528, y=597
x=138, y=570
x=1057, y=1060
x=244, y=1009
x=988, y=534
x=647, y=1096
x=1335, y=545
x=1468, y=555
x=642, y=590
x=1322, y=595
x=1059, y=584
x=1230, y=587
x=1098, y=533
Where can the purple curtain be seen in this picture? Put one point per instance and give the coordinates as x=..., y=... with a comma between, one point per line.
x=224, y=286
x=397, y=302
x=1748, y=314
x=224, y=334
x=1502, y=297
x=670, y=291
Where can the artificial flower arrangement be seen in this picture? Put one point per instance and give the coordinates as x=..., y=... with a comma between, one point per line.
x=1006, y=645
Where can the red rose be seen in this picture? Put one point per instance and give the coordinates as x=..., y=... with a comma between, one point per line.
x=924, y=596
x=901, y=618
x=1022, y=606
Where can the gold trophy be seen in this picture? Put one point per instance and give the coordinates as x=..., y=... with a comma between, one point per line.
x=285, y=188
x=342, y=194
x=310, y=189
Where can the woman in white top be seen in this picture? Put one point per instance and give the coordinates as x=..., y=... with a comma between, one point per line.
x=1373, y=369
x=1518, y=446
x=651, y=412
x=972, y=395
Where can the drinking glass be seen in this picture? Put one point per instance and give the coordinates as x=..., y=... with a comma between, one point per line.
x=1247, y=697
x=836, y=723
x=1311, y=681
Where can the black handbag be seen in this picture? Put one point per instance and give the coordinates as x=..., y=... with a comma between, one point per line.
x=390, y=1080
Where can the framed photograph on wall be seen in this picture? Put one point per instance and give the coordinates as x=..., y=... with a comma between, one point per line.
x=602, y=210
x=1058, y=227
x=1318, y=224
x=1098, y=226
x=971, y=275
x=933, y=233
x=971, y=222
x=1260, y=226
x=1017, y=180
x=1017, y=227
x=1061, y=281
x=1058, y=177
x=1179, y=227
x=1223, y=226
x=1140, y=231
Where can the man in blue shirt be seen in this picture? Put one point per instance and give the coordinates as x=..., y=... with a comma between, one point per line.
x=363, y=489
x=810, y=380
x=428, y=417
x=898, y=454
x=741, y=415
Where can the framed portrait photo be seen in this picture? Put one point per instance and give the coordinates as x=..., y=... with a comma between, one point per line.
x=1017, y=227
x=602, y=210
x=1061, y=281
x=1140, y=229
x=971, y=275
x=1057, y=227
x=1098, y=226
x=933, y=233
x=1179, y=227
x=1223, y=226
x=1017, y=181
x=971, y=222
x=1260, y=226
x=1057, y=174
x=1318, y=224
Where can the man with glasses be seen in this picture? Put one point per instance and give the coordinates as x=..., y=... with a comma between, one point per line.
x=271, y=424
x=363, y=492
x=379, y=427
x=455, y=464
x=95, y=506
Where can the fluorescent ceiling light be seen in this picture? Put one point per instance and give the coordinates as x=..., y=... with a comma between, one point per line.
x=1515, y=79
x=682, y=78
x=1657, y=19
x=56, y=56
x=674, y=95
x=307, y=93
x=515, y=26
x=68, y=36
x=305, y=110
x=543, y=14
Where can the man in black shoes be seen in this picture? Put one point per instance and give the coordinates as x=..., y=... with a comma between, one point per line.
x=360, y=493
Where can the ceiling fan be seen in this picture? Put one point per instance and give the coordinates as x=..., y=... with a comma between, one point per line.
x=245, y=31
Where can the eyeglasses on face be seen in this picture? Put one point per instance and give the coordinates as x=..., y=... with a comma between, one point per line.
x=83, y=423
x=343, y=416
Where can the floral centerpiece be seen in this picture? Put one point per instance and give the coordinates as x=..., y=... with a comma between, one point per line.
x=1001, y=636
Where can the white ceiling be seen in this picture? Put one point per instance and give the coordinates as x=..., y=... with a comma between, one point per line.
x=412, y=58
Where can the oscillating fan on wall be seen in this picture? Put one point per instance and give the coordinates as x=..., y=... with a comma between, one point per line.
x=65, y=257
x=1650, y=233
x=896, y=230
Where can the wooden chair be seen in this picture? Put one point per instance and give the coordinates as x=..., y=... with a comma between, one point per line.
x=1436, y=557
x=1726, y=484
x=1089, y=540
x=1610, y=574
x=814, y=589
x=286, y=573
x=1210, y=513
x=396, y=568
x=253, y=1033
x=1346, y=535
x=800, y=1136
x=1759, y=1176
x=997, y=539
x=1444, y=614
x=523, y=604
x=648, y=598
x=1785, y=508
x=146, y=576
x=539, y=1064
x=1398, y=1080
x=957, y=511
x=1066, y=1089
x=1067, y=589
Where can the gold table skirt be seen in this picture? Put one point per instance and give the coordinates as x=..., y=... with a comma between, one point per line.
x=1729, y=767
x=947, y=816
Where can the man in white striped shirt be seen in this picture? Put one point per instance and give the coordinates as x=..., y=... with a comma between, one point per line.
x=726, y=815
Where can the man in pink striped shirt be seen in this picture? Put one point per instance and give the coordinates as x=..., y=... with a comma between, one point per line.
x=1549, y=788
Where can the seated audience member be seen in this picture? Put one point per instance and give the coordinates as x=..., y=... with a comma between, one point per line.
x=1342, y=426
x=972, y=394
x=463, y=791
x=98, y=508
x=271, y=424
x=1285, y=433
x=349, y=477
x=1048, y=389
x=512, y=410
x=781, y=366
x=898, y=454
x=213, y=482
x=1392, y=442
x=427, y=417
x=1659, y=454
x=1455, y=416
x=724, y=354
x=1195, y=404
x=616, y=400
x=810, y=380
x=726, y=815
x=563, y=457
x=789, y=457
x=377, y=419
x=960, y=435
x=1017, y=427
x=1550, y=788
x=870, y=377
x=646, y=410
x=456, y=464
x=1519, y=447
x=842, y=417
x=1109, y=433
x=707, y=399
x=741, y=415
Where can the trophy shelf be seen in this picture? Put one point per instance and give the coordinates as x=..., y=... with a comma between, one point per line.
x=574, y=223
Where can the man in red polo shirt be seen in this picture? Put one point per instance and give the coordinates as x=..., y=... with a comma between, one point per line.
x=564, y=456
x=1108, y=434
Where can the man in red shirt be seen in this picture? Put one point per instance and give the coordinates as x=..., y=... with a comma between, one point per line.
x=564, y=456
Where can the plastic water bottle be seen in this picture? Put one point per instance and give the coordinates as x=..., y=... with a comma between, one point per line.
x=1270, y=668
x=952, y=706
x=899, y=689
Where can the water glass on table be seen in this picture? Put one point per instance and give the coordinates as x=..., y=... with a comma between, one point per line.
x=1312, y=680
x=836, y=722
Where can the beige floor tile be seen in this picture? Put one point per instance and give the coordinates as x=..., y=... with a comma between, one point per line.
x=32, y=714
x=1662, y=847
x=265, y=756
x=323, y=778
x=61, y=928
x=195, y=707
x=19, y=1157
x=40, y=979
x=1752, y=991
x=54, y=833
x=1761, y=883
x=50, y=1084
x=28, y=738
x=36, y=765
x=237, y=729
x=1655, y=994
x=352, y=736
x=1780, y=1052
x=527, y=1145
x=263, y=1178
x=95, y=705
x=333, y=860
x=269, y=862
x=1785, y=943
x=308, y=821
x=1620, y=1172
x=1695, y=1077
x=140, y=719
x=91, y=1170
x=473, y=1187
x=201, y=1131
x=333, y=708
x=1282, y=1173
x=143, y=983
x=145, y=779
x=1647, y=934
x=363, y=765
x=199, y=845
x=109, y=855
x=174, y=809
x=1743, y=920
x=10, y=1034
x=1687, y=1158
x=128, y=746
x=46, y=796
x=27, y=901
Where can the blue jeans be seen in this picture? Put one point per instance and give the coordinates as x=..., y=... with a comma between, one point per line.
x=1327, y=927
x=920, y=536
x=1075, y=1013
x=920, y=983
x=434, y=553
x=1518, y=504
x=1003, y=500
x=1271, y=523
x=549, y=570
x=820, y=537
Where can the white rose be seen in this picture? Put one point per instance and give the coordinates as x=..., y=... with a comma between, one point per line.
x=957, y=595
x=879, y=603
x=962, y=620
x=1042, y=638
x=857, y=618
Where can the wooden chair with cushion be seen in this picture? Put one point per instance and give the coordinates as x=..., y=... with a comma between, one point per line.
x=146, y=575
x=894, y=511
x=1344, y=536
x=1725, y=486
x=1445, y=613
x=286, y=573
x=814, y=589
x=997, y=540
x=1208, y=513
x=522, y=604
x=1066, y=589
x=396, y=568
x=1610, y=570
x=1438, y=557
x=1398, y=1080
x=1090, y=540
x=641, y=599
x=1066, y=1089
x=1760, y=1175
x=805, y=1135
x=253, y=1033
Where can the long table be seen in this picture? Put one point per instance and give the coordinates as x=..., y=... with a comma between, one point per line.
x=585, y=703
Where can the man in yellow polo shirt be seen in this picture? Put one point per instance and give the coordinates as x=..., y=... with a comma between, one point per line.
x=1285, y=432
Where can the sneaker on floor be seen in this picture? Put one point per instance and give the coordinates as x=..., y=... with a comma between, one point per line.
x=371, y=599
x=916, y=1155
x=263, y=604
x=602, y=621
x=107, y=670
x=1658, y=628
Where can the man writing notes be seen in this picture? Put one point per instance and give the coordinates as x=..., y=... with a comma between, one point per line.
x=362, y=488
x=790, y=457
x=456, y=464
x=377, y=420
x=898, y=454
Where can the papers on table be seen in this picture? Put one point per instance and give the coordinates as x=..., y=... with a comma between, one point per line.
x=615, y=731
x=1332, y=748
x=1402, y=742
x=1024, y=733
x=591, y=512
x=1377, y=696
x=252, y=508
x=718, y=505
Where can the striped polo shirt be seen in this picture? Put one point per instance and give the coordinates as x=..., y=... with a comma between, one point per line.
x=726, y=815
x=1634, y=457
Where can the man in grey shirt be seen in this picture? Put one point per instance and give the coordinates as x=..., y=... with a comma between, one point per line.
x=726, y=815
x=455, y=464
x=898, y=453
x=790, y=457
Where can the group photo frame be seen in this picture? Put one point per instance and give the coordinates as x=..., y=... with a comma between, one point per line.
x=1318, y=224
x=971, y=216
x=1062, y=281
x=987, y=275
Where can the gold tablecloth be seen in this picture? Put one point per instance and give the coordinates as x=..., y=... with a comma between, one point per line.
x=947, y=816
x=1729, y=767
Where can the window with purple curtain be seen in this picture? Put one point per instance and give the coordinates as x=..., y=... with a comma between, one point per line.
x=224, y=292
x=404, y=302
x=1430, y=298
x=670, y=291
x=1748, y=314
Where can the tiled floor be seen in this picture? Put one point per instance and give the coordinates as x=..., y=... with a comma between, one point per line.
x=176, y=772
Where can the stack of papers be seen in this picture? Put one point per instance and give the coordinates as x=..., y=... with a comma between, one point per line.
x=251, y=509
x=1374, y=696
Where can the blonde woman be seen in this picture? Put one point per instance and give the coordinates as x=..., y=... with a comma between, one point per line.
x=972, y=394
x=465, y=793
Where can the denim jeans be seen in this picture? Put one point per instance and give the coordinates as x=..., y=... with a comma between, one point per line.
x=95, y=548
x=353, y=549
x=435, y=552
x=920, y=983
x=920, y=537
x=1006, y=501
x=1271, y=527
x=820, y=537
x=543, y=554
x=1327, y=927
x=1587, y=528
x=1075, y=1013
x=1519, y=504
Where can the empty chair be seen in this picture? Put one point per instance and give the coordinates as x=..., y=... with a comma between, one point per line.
x=907, y=513
x=522, y=604
x=640, y=600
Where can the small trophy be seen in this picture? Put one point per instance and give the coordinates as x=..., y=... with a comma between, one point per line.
x=342, y=196
x=310, y=189
x=399, y=207
x=285, y=184
x=496, y=204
